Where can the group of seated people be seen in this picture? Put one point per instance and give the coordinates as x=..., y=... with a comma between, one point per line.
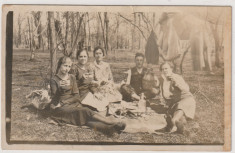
x=73, y=81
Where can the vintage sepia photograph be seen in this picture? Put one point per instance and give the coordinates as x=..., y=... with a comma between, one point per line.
x=117, y=75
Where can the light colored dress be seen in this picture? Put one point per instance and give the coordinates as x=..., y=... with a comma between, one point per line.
x=177, y=95
x=102, y=72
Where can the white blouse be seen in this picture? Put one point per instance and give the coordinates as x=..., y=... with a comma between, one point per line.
x=102, y=71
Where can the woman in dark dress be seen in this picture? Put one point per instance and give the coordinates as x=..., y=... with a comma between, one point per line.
x=84, y=74
x=66, y=106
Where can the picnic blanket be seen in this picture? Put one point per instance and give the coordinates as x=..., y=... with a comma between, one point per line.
x=136, y=120
x=145, y=124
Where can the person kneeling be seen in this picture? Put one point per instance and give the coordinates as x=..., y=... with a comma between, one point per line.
x=180, y=101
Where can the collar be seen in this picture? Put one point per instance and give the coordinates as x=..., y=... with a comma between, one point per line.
x=98, y=65
x=139, y=70
x=61, y=78
x=84, y=68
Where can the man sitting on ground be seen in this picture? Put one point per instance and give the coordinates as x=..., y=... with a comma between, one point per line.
x=133, y=88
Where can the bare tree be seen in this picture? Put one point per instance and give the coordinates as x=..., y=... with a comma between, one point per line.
x=117, y=31
x=75, y=42
x=218, y=41
x=37, y=23
x=66, y=16
x=106, y=21
x=84, y=25
x=139, y=37
x=102, y=27
x=48, y=38
x=53, y=44
x=147, y=22
x=72, y=28
x=134, y=24
x=89, y=31
x=19, y=31
x=31, y=41
x=133, y=33
x=26, y=39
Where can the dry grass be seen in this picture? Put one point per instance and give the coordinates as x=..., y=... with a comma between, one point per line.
x=32, y=125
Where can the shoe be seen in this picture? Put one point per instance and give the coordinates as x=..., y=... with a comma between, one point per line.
x=120, y=126
x=180, y=127
x=169, y=125
x=173, y=129
x=109, y=132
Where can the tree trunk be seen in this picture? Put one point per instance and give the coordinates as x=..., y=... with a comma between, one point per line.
x=84, y=32
x=89, y=33
x=139, y=33
x=30, y=41
x=53, y=46
x=48, y=39
x=117, y=30
x=98, y=33
x=66, y=29
x=39, y=30
x=29, y=34
x=133, y=34
x=217, y=44
x=37, y=23
x=217, y=48
x=26, y=40
x=72, y=29
x=72, y=52
x=19, y=30
x=40, y=36
x=107, y=32
x=102, y=26
x=43, y=49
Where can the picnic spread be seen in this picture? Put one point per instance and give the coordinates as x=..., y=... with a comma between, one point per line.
x=137, y=116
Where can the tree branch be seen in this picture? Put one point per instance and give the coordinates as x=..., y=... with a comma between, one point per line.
x=133, y=25
x=146, y=20
x=76, y=38
x=102, y=26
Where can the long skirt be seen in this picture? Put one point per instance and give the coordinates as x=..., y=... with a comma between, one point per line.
x=77, y=115
x=73, y=114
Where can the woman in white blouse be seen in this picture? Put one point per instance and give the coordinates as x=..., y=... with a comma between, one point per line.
x=102, y=71
x=175, y=92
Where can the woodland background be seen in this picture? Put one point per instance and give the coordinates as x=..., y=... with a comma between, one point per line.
x=40, y=38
